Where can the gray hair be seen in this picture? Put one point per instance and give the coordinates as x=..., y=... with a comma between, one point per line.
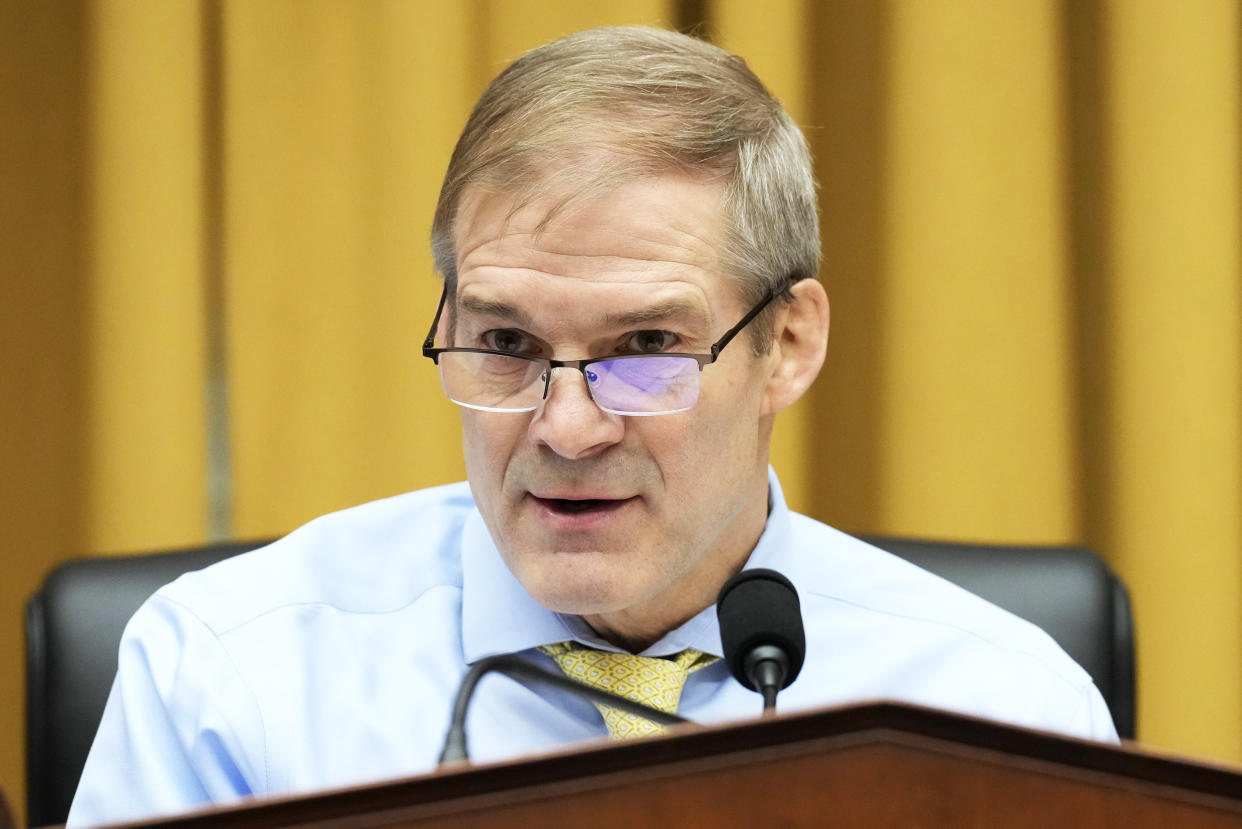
x=588, y=112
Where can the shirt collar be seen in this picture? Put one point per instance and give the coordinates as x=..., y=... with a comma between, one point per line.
x=499, y=616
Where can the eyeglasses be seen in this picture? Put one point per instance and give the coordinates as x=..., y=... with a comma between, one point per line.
x=624, y=384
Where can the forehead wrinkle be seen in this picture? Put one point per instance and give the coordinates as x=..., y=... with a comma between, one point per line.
x=488, y=237
x=579, y=263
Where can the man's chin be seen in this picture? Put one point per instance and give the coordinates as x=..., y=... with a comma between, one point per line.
x=576, y=594
x=577, y=602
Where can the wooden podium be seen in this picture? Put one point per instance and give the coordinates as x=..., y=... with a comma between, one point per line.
x=876, y=765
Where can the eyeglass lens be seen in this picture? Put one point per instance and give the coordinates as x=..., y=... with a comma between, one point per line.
x=641, y=384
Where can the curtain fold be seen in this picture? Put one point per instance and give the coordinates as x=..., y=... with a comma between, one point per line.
x=337, y=120
x=1170, y=356
x=1032, y=246
x=142, y=280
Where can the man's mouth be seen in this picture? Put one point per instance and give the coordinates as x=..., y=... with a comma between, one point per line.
x=581, y=506
x=584, y=505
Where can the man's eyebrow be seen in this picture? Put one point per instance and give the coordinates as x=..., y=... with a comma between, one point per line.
x=660, y=311
x=669, y=309
x=494, y=308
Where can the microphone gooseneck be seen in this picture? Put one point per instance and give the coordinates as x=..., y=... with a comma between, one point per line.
x=761, y=631
x=525, y=672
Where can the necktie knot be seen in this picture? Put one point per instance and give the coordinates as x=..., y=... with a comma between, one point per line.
x=653, y=681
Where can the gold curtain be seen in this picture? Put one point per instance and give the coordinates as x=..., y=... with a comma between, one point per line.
x=1033, y=244
x=216, y=279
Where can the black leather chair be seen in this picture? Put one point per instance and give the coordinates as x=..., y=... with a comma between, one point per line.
x=73, y=627
x=6, y=817
x=1067, y=591
x=74, y=622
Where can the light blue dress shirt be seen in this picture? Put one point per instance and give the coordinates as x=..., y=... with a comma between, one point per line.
x=330, y=658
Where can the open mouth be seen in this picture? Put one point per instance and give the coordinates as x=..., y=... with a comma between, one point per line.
x=580, y=506
x=574, y=507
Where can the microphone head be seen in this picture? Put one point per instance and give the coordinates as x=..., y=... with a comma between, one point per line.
x=756, y=608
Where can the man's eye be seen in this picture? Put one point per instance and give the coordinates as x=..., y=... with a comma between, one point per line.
x=650, y=342
x=505, y=339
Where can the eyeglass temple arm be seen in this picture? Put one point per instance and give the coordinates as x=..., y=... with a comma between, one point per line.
x=430, y=342
x=772, y=294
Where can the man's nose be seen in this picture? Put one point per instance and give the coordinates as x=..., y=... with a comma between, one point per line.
x=570, y=423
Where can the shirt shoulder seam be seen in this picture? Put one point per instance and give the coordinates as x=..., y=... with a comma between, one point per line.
x=225, y=630
x=189, y=611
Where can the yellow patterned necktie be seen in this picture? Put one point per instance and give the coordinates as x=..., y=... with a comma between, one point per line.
x=646, y=679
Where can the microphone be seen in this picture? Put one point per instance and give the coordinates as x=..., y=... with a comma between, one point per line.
x=761, y=631
x=525, y=672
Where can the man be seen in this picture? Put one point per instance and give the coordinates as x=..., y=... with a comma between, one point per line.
x=626, y=194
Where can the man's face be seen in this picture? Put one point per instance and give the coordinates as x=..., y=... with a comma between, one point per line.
x=632, y=522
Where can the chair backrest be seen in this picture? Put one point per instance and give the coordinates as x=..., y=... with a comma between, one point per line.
x=1067, y=591
x=6, y=816
x=74, y=624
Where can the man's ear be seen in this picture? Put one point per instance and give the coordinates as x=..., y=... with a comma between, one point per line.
x=798, y=345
